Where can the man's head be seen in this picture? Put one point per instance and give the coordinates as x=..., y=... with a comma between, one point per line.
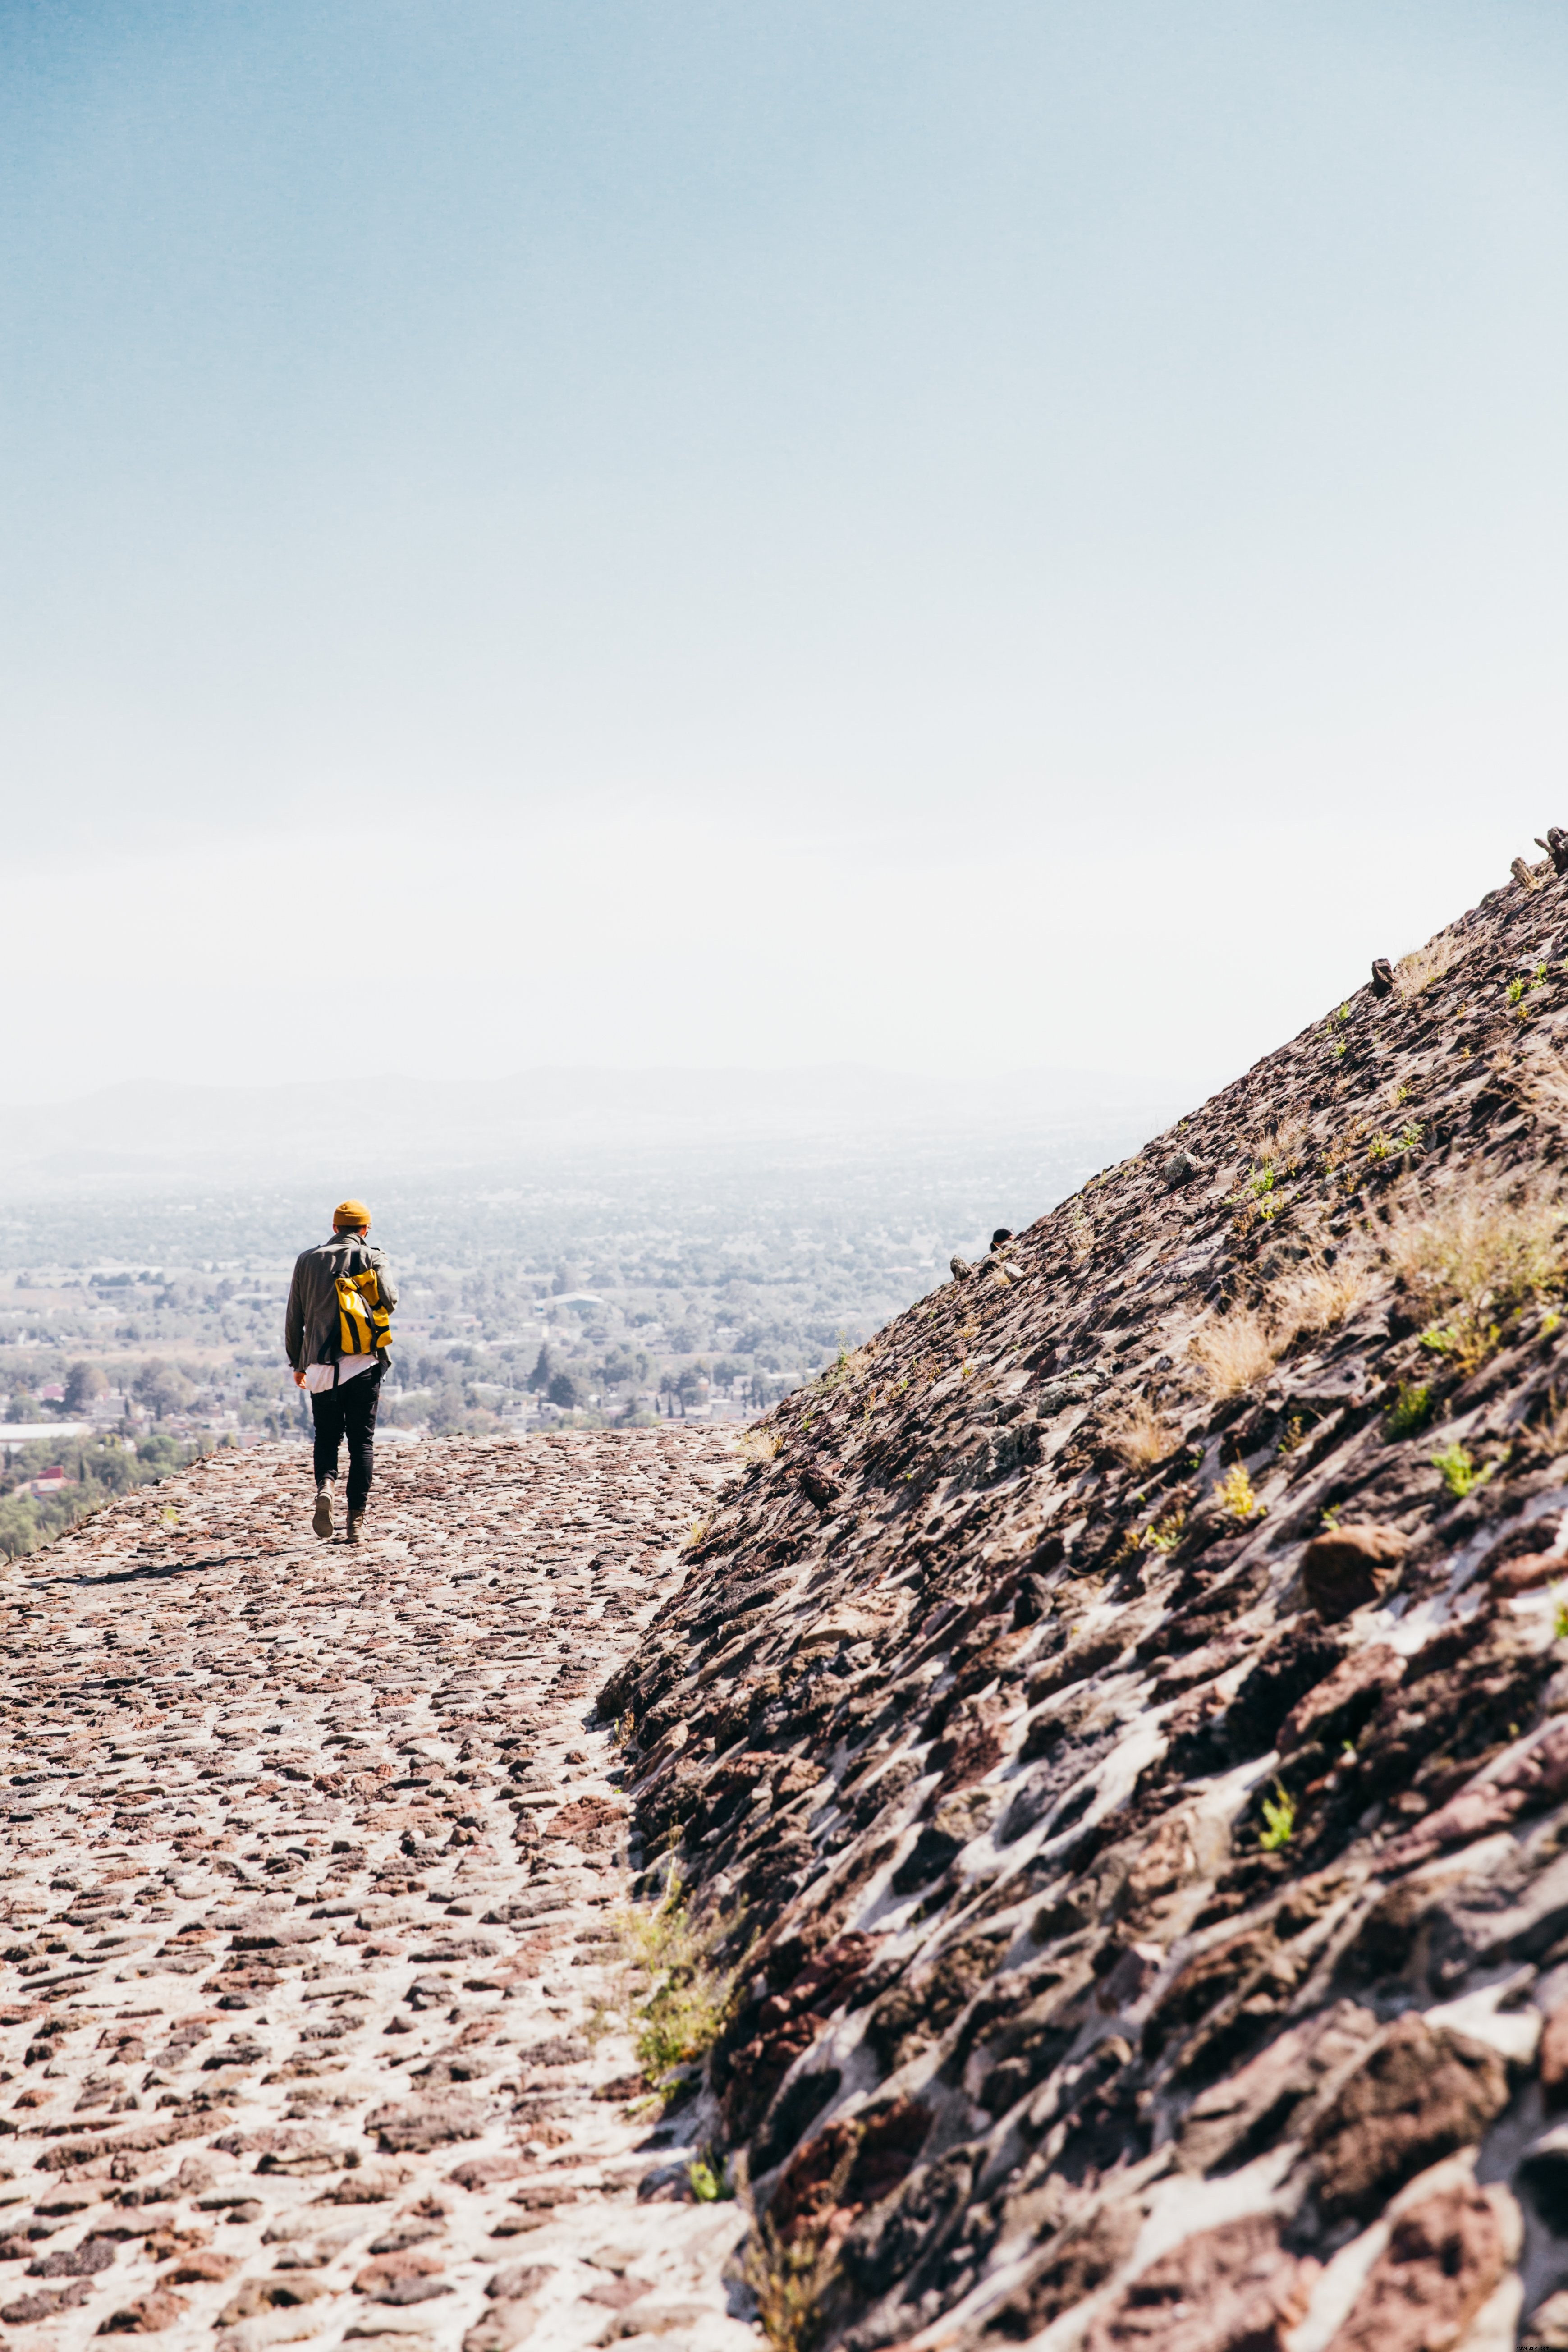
x=350, y=1217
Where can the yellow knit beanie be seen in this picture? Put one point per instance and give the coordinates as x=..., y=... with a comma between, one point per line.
x=350, y=1212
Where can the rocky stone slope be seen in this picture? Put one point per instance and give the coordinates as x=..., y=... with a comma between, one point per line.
x=305, y=1889
x=1117, y=1728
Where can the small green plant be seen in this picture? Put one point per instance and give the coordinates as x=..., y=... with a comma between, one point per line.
x=1291, y=1435
x=1401, y=1095
x=1278, y=1819
x=1469, y=1344
x=1410, y=1135
x=1235, y=1494
x=1559, y=1614
x=1339, y=1049
x=1458, y=1473
x=708, y=2180
x=1331, y=1516
x=789, y=2281
x=1347, y=1751
x=1516, y=988
x=1166, y=1533
x=1263, y=1182
x=675, y=2015
x=1379, y=1148
x=1549, y=1322
x=1411, y=1408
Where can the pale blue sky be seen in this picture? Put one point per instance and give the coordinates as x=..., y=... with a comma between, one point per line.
x=1032, y=533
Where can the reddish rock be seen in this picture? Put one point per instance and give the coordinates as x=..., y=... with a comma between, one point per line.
x=44, y=2302
x=84, y=2260
x=1527, y=1575
x=1421, y=2092
x=275, y=2294
x=420, y=2262
x=479, y=2171
x=1553, y=2061
x=201, y=2269
x=1230, y=2289
x=149, y=2315
x=413, y=2127
x=1534, y=1777
x=1338, y=1705
x=1443, y=2259
x=848, y=2166
x=591, y=1822
x=1237, y=2118
x=1522, y=1548
x=1348, y=1567
x=1079, y=2259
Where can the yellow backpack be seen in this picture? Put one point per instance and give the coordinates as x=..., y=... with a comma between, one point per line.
x=364, y=1324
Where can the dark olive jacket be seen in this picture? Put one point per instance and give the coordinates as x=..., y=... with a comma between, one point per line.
x=311, y=1324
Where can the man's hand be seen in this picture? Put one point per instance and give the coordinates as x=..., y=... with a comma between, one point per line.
x=298, y=1380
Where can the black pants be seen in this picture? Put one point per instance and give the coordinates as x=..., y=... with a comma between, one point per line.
x=348, y=1411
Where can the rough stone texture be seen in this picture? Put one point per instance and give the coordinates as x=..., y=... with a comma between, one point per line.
x=1444, y=2257
x=305, y=1881
x=1157, y=1781
x=1345, y=1571
x=1417, y=2095
x=1230, y=2289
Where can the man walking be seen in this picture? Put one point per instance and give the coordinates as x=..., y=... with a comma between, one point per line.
x=335, y=1332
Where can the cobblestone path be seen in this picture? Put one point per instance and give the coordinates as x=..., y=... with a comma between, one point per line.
x=304, y=1897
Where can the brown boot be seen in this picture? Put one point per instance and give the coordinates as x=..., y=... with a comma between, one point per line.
x=322, y=1522
x=356, y=1521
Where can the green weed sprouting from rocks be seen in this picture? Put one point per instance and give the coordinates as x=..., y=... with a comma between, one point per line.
x=1388, y=1146
x=1559, y=1614
x=1166, y=1533
x=709, y=2182
x=1278, y=1819
x=1458, y=1473
x=1470, y=1259
x=1411, y=1408
x=787, y=2280
x=1236, y=1494
x=791, y=2279
x=673, y=1997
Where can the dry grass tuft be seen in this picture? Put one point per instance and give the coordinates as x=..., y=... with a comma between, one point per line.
x=1316, y=1295
x=1233, y=1351
x=790, y=2282
x=1423, y=966
x=1467, y=1259
x=1474, y=1254
x=1139, y=1436
x=1541, y=1085
x=759, y=1444
x=1278, y=1145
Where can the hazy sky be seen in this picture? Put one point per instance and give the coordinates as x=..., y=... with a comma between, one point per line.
x=999, y=533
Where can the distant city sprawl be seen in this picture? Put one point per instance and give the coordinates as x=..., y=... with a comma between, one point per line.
x=138, y=1326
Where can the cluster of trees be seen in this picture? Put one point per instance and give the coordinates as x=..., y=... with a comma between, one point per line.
x=98, y=1468
x=159, y=1387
